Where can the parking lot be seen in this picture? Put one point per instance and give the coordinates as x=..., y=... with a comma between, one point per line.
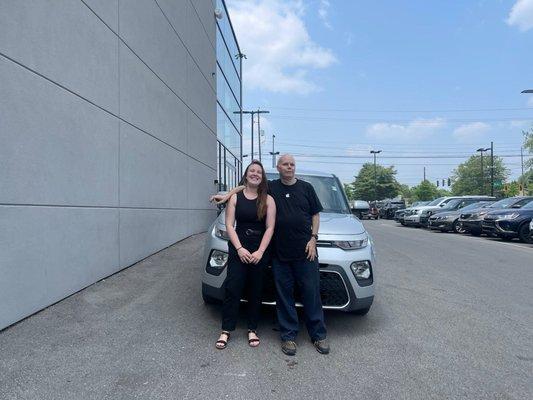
x=452, y=318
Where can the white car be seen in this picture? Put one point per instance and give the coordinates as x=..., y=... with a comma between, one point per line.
x=345, y=252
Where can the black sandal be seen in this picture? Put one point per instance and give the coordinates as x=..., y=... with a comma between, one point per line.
x=252, y=341
x=221, y=344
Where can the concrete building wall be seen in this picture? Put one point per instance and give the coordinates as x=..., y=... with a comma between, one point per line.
x=107, y=139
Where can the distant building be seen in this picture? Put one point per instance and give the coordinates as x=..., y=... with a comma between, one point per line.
x=109, y=122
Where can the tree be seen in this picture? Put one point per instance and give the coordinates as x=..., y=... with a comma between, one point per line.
x=425, y=191
x=406, y=193
x=467, y=177
x=349, y=190
x=527, y=178
x=365, y=187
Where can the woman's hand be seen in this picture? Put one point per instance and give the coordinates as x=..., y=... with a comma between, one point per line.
x=244, y=255
x=256, y=256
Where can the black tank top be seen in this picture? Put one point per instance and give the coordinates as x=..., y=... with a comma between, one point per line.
x=249, y=229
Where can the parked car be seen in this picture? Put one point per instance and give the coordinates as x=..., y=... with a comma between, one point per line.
x=390, y=207
x=449, y=220
x=510, y=223
x=471, y=221
x=531, y=230
x=399, y=215
x=419, y=216
x=360, y=208
x=346, y=253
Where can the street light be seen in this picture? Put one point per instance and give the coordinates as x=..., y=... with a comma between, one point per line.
x=481, y=150
x=374, y=152
x=527, y=91
x=273, y=153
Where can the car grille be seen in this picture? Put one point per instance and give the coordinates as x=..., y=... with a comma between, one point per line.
x=332, y=289
x=488, y=224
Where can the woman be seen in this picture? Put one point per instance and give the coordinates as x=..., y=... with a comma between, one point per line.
x=254, y=212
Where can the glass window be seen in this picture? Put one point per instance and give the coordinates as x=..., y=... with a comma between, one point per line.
x=226, y=64
x=227, y=134
x=227, y=100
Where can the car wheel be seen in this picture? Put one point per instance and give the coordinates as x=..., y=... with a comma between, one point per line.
x=458, y=228
x=362, y=311
x=523, y=234
x=210, y=300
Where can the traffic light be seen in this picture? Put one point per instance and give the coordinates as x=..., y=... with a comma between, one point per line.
x=443, y=183
x=449, y=182
x=437, y=183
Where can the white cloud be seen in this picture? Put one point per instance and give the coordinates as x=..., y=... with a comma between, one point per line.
x=323, y=10
x=521, y=15
x=280, y=53
x=471, y=132
x=410, y=132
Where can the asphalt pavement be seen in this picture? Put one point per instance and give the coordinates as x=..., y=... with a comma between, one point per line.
x=452, y=319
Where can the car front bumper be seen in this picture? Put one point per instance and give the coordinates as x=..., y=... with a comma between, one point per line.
x=339, y=289
x=440, y=224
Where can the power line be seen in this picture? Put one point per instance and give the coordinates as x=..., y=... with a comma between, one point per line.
x=421, y=122
x=395, y=157
x=402, y=111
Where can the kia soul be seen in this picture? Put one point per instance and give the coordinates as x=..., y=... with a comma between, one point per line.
x=346, y=254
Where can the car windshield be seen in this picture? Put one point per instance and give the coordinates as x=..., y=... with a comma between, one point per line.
x=480, y=204
x=453, y=203
x=435, y=202
x=328, y=190
x=528, y=206
x=522, y=203
x=504, y=203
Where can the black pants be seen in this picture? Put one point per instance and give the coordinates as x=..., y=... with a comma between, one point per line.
x=242, y=277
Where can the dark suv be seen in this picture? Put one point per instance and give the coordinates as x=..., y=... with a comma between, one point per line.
x=390, y=207
x=471, y=220
x=510, y=223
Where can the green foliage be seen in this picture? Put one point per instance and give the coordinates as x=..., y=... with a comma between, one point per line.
x=528, y=145
x=365, y=187
x=350, y=191
x=467, y=177
x=406, y=193
x=425, y=191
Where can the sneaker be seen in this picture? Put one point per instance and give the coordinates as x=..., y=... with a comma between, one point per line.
x=322, y=346
x=288, y=347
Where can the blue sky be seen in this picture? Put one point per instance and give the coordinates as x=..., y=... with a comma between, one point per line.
x=415, y=79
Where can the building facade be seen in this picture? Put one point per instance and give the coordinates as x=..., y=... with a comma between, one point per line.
x=109, y=122
x=229, y=101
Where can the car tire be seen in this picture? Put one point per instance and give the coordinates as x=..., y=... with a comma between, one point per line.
x=523, y=234
x=361, y=312
x=209, y=300
x=457, y=228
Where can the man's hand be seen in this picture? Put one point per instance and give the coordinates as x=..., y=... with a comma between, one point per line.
x=256, y=256
x=218, y=198
x=244, y=255
x=310, y=249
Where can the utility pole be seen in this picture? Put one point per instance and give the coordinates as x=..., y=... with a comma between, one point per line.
x=481, y=150
x=424, y=173
x=273, y=153
x=252, y=113
x=259, y=112
x=374, y=152
x=492, y=168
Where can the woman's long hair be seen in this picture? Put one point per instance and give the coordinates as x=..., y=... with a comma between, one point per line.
x=262, y=189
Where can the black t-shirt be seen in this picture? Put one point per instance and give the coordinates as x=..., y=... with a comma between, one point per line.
x=295, y=206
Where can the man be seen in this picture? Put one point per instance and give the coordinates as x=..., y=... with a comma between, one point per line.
x=295, y=257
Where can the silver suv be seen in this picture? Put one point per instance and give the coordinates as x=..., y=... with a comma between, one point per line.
x=345, y=251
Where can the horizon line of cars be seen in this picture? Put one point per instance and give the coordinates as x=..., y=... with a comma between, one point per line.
x=506, y=218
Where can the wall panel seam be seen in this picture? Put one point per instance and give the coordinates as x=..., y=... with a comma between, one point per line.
x=101, y=207
x=103, y=109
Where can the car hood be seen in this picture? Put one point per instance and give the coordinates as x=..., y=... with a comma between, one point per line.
x=330, y=224
x=446, y=213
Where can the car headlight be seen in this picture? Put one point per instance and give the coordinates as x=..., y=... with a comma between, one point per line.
x=531, y=226
x=221, y=233
x=508, y=216
x=217, y=262
x=351, y=244
x=361, y=270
